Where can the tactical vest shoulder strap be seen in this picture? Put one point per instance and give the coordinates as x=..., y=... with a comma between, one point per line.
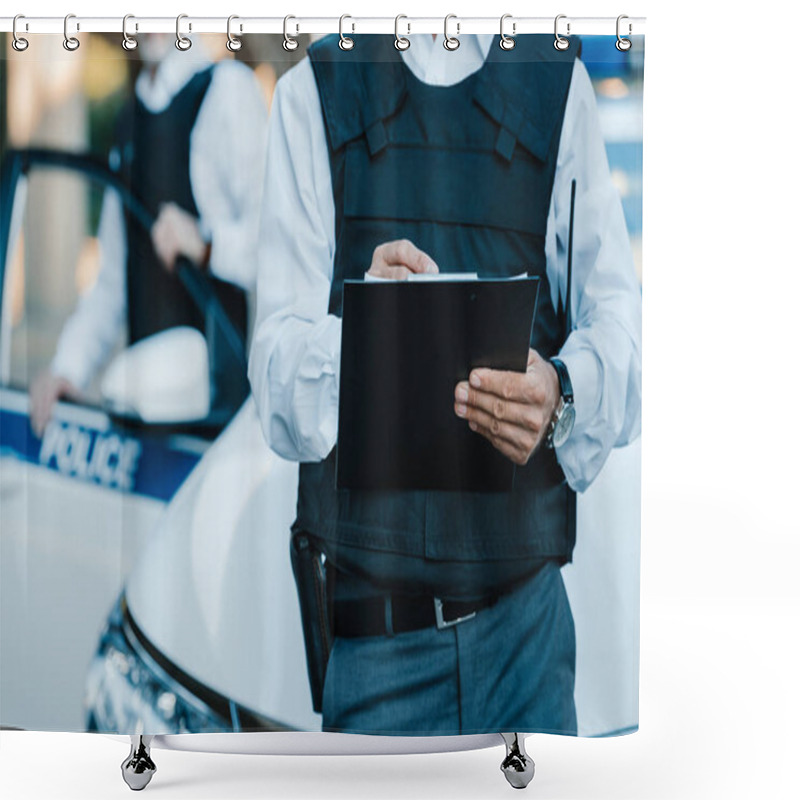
x=525, y=91
x=196, y=89
x=356, y=96
x=121, y=149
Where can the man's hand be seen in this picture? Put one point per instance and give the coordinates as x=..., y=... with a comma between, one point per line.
x=176, y=233
x=45, y=390
x=511, y=409
x=398, y=259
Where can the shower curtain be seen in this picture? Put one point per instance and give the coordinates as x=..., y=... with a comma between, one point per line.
x=320, y=384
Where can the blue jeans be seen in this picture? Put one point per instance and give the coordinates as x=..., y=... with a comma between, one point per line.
x=510, y=668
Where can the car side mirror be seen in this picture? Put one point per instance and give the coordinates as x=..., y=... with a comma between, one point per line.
x=161, y=379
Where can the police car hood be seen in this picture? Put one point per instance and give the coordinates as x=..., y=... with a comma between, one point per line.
x=214, y=588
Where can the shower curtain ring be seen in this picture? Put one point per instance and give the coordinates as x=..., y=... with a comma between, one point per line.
x=18, y=42
x=234, y=44
x=623, y=44
x=289, y=42
x=128, y=42
x=507, y=42
x=182, y=42
x=345, y=42
x=71, y=43
x=561, y=43
x=400, y=42
x=451, y=42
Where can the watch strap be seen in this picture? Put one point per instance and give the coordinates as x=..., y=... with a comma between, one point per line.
x=563, y=379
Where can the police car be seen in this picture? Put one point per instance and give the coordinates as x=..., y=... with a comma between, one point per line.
x=148, y=512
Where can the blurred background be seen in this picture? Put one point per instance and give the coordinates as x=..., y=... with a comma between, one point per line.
x=70, y=101
x=618, y=80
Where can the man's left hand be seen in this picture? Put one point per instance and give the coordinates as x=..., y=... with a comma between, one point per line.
x=511, y=409
x=175, y=233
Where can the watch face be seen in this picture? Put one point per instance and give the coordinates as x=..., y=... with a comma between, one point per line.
x=563, y=429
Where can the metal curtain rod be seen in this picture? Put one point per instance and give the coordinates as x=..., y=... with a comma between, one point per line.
x=321, y=25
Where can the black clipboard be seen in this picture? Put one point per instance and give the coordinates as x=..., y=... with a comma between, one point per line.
x=405, y=345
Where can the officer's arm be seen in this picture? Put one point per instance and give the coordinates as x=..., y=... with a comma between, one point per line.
x=92, y=331
x=294, y=356
x=95, y=326
x=603, y=353
x=228, y=149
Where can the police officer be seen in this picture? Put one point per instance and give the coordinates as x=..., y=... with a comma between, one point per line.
x=191, y=147
x=449, y=611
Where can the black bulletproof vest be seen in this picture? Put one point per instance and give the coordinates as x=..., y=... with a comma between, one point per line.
x=154, y=161
x=466, y=173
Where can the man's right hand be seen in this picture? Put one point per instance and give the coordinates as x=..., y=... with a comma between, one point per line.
x=398, y=259
x=45, y=390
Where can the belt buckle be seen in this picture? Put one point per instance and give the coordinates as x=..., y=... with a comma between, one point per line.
x=441, y=622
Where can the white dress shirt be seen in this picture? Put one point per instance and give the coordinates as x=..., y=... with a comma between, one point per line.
x=226, y=166
x=294, y=357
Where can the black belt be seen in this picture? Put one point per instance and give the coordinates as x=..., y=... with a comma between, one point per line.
x=248, y=720
x=393, y=613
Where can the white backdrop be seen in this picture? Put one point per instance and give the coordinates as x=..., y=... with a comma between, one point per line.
x=720, y=548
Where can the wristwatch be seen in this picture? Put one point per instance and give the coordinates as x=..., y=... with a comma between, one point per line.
x=564, y=416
